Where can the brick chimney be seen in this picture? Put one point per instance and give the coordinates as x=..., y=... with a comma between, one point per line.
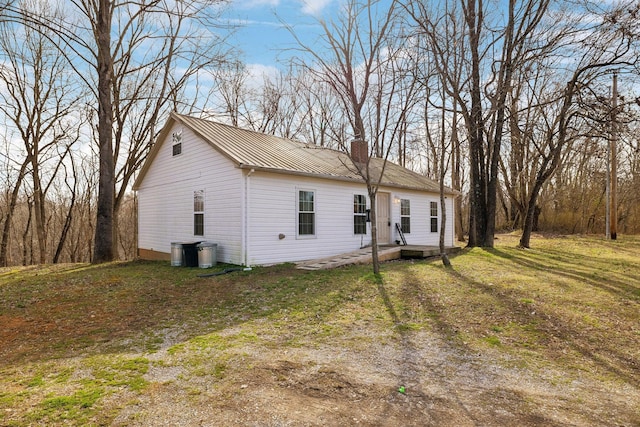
x=359, y=151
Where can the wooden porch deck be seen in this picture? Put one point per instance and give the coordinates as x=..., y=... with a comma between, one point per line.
x=385, y=253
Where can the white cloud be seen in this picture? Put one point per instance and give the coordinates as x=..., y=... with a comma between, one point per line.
x=258, y=73
x=314, y=7
x=247, y=22
x=249, y=4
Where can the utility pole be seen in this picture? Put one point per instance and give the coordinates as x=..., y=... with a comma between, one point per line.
x=607, y=180
x=614, y=161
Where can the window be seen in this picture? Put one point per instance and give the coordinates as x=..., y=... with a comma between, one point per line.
x=434, y=217
x=359, y=214
x=176, y=139
x=198, y=213
x=405, y=216
x=306, y=213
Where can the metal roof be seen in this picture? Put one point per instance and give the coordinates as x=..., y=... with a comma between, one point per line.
x=254, y=150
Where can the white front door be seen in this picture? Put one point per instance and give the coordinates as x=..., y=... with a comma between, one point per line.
x=383, y=218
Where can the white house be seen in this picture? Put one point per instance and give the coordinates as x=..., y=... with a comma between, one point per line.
x=265, y=200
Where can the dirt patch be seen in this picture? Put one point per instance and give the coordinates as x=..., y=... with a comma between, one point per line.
x=336, y=385
x=12, y=327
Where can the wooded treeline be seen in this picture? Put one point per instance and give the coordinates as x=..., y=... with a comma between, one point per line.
x=509, y=101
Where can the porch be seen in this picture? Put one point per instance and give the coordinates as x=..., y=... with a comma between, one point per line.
x=385, y=253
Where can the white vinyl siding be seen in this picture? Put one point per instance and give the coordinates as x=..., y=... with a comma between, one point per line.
x=421, y=217
x=273, y=213
x=166, y=199
x=252, y=215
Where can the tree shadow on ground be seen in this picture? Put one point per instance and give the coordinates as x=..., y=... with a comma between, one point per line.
x=410, y=362
x=560, y=331
x=478, y=306
x=592, y=270
x=478, y=402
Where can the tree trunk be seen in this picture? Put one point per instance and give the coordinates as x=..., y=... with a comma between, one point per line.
x=66, y=227
x=374, y=232
x=25, y=243
x=478, y=192
x=525, y=239
x=103, y=242
x=455, y=172
x=38, y=206
x=443, y=171
x=13, y=201
x=443, y=223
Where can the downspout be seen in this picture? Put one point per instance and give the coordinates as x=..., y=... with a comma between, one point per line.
x=245, y=220
x=136, y=226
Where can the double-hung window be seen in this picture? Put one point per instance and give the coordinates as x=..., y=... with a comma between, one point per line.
x=405, y=216
x=359, y=214
x=434, y=217
x=198, y=213
x=306, y=213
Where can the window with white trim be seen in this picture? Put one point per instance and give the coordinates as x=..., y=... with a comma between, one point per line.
x=306, y=213
x=434, y=217
x=359, y=214
x=176, y=138
x=198, y=213
x=405, y=216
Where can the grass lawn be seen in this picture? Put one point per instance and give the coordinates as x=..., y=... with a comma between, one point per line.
x=546, y=336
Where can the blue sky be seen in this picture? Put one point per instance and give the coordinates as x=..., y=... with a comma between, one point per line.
x=262, y=36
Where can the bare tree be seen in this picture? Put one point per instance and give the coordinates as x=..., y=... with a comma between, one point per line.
x=95, y=52
x=491, y=49
x=442, y=166
x=360, y=51
x=609, y=41
x=230, y=81
x=40, y=101
x=429, y=66
x=10, y=207
x=123, y=72
x=4, y=4
x=321, y=125
x=440, y=129
x=68, y=198
x=147, y=87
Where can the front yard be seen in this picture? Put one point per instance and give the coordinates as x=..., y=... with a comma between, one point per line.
x=547, y=336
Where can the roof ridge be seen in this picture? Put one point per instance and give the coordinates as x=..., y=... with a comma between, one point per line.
x=253, y=149
x=238, y=128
